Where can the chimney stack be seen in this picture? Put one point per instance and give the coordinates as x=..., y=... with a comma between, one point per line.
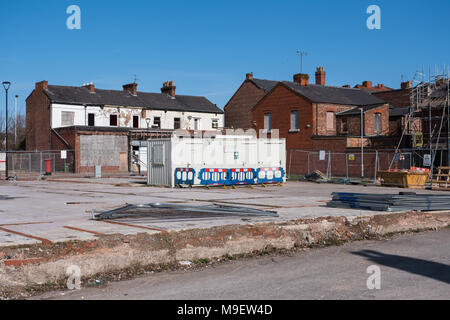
x=169, y=88
x=320, y=76
x=43, y=85
x=406, y=85
x=90, y=86
x=302, y=79
x=249, y=76
x=367, y=84
x=131, y=88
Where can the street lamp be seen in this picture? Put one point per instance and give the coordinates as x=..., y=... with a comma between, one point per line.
x=362, y=142
x=6, y=85
x=148, y=120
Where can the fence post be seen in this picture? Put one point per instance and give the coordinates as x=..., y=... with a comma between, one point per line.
x=29, y=162
x=346, y=165
x=329, y=165
x=309, y=171
x=40, y=163
x=290, y=163
x=376, y=165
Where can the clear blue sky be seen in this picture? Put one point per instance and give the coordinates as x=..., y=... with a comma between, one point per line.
x=206, y=47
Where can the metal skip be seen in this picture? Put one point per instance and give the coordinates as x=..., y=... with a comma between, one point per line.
x=216, y=209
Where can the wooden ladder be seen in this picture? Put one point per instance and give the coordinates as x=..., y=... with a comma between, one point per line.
x=442, y=181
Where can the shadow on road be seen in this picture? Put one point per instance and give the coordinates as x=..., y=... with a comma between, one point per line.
x=434, y=270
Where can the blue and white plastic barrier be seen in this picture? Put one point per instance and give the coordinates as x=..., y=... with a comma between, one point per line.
x=213, y=177
x=184, y=176
x=270, y=175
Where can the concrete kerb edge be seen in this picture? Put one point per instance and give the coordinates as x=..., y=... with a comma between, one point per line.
x=39, y=264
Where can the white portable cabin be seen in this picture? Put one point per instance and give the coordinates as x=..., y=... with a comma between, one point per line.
x=215, y=161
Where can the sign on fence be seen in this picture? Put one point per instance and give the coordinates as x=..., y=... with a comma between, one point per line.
x=322, y=155
x=351, y=157
x=63, y=154
x=427, y=160
x=2, y=161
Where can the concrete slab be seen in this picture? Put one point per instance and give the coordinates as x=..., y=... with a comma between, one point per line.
x=44, y=209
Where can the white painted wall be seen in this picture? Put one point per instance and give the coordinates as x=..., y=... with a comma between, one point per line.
x=125, y=117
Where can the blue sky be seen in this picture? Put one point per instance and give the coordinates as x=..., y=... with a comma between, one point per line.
x=206, y=47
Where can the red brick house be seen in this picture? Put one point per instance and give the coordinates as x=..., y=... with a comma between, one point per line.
x=320, y=117
x=238, y=111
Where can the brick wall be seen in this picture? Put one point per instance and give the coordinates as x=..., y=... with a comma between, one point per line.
x=38, y=119
x=398, y=98
x=238, y=110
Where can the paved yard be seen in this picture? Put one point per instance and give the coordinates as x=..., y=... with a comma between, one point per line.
x=61, y=209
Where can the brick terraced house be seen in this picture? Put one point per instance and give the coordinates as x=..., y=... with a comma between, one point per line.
x=320, y=117
x=100, y=125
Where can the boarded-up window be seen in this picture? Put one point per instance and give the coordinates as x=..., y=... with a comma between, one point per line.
x=113, y=120
x=331, y=120
x=67, y=118
x=157, y=123
x=158, y=155
x=377, y=123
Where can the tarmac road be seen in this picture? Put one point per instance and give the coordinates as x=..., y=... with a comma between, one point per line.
x=412, y=267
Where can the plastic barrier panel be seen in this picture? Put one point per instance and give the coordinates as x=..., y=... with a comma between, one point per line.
x=184, y=176
x=241, y=176
x=270, y=175
x=213, y=177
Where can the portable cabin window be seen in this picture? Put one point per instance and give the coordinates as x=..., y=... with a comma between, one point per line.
x=157, y=123
x=177, y=123
x=136, y=122
x=91, y=119
x=268, y=121
x=67, y=118
x=294, y=120
x=113, y=120
x=331, y=121
x=377, y=123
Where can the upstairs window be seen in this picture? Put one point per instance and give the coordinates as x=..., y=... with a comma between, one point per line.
x=177, y=123
x=157, y=123
x=136, y=122
x=91, y=120
x=215, y=124
x=294, y=120
x=197, y=124
x=268, y=121
x=67, y=119
x=113, y=120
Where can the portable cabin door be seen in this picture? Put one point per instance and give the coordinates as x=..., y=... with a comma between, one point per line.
x=160, y=163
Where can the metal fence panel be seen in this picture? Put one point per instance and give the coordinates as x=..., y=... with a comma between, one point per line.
x=35, y=162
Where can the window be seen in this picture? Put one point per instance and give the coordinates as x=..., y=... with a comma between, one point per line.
x=91, y=120
x=67, y=118
x=294, y=120
x=331, y=121
x=215, y=124
x=177, y=123
x=344, y=125
x=157, y=123
x=136, y=122
x=377, y=123
x=113, y=120
x=268, y=121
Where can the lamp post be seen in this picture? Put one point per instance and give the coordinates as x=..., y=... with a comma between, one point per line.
x=6, y=85
x=15, y=123
x=362, y=142
x=148, y=120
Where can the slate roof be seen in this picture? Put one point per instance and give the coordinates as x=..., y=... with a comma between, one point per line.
x=335, y=95
x=158, y=101
x=357, y=111
x=398, y=112
x=265, y=85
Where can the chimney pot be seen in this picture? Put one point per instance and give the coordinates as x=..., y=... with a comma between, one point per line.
x=320, y=76
x=169, y=88
x=131, y=88
x=90, y=86
x=302, y=79
x=249, y=76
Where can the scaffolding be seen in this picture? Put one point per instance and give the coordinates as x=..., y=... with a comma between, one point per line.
x=428, y=121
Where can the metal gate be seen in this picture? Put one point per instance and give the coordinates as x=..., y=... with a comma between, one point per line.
x=159, y=163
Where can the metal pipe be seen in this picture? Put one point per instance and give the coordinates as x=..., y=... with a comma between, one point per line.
x=6, y=85
x=15, y=122
x=362, y=142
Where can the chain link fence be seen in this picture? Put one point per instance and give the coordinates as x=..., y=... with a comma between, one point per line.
x=40, y=162
x=345, y=164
